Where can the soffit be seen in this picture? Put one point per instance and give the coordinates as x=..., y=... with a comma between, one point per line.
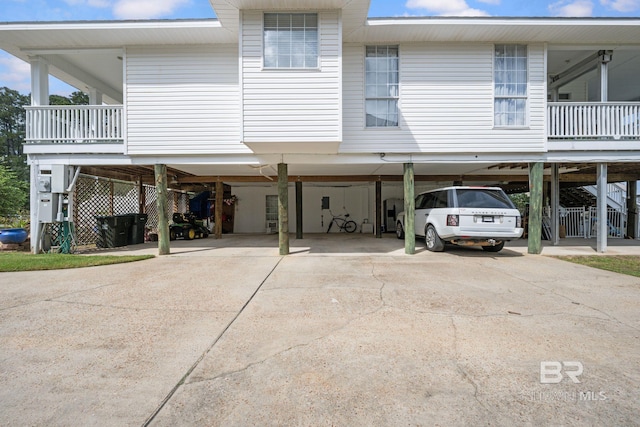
x=609, y=31
x=69, y=35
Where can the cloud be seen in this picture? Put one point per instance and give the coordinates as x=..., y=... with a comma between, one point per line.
x=492, y=2
x=446, y=7
x=622, y=5
x=577, y=8
x=15, y=73
x=91, y=3
x=145, y=9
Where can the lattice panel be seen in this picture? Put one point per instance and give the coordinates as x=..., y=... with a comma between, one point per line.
x=183, y=202
x=102, y=197
x=178, y=201
x=125, y=197
x=150, y=207
x=92, y=198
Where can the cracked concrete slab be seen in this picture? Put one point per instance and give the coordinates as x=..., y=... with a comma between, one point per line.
x=346, y=332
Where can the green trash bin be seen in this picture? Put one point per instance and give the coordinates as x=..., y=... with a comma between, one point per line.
x=113, y=231
x=136, y=231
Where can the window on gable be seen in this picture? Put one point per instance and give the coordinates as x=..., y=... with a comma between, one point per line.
x=382, y=86
x=510, y=85
x=291, y=40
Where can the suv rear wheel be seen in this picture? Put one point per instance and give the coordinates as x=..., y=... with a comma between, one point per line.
x=433, y=242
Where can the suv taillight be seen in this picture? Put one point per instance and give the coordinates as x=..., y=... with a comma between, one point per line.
x=519, y=222
x=453, y=220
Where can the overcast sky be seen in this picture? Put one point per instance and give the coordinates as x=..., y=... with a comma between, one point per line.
x=14, y=73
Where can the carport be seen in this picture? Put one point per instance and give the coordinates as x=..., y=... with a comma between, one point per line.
x=545, y=182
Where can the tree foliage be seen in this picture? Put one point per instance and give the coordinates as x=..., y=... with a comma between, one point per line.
x=13, y=192
x=12, y=118
x=76, y=98
x=521, y=200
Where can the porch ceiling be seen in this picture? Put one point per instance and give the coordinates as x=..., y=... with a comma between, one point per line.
x=509, y=175
x=624, y=84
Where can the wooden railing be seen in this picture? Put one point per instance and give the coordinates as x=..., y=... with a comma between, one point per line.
x=593, y=120
x=74, y=124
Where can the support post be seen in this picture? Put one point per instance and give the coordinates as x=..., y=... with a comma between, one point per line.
x=379, y=213
x=555, y=204
x=605, y=58
x=141, y=196
x=299, y=210
x=39, y=97
x=601, y=203
x=283, y=209
x=409, y=210
x=39, y=81
x=95, y=97
x=217, y=214
x=160, y=172
x=632, y=209
x=536, y=182
x=36, y=227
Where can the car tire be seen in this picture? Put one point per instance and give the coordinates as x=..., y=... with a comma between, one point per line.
x=399, y=231
x=433, y=242
x=496, y=248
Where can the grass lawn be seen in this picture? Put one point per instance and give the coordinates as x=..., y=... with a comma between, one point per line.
x=624, y=264
x=20, y=261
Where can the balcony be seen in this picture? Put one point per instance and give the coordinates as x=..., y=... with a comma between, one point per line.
x=571, y=125
x=595, y=121
x=97, y=125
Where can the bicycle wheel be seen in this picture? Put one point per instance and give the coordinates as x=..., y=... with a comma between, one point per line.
x=350, y=226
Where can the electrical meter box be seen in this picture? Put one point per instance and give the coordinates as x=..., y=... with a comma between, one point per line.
x=325, y=202
x=44, y=183
x=59, y=178
x=47, y=207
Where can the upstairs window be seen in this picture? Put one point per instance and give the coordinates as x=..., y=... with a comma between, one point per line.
x=510, y=80
x=291, y=40
x=382, y=81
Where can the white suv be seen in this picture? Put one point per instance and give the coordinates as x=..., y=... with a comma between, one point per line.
x=466, y=216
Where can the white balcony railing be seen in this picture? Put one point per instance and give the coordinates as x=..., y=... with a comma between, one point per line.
x=593, y=120
x=74, y=124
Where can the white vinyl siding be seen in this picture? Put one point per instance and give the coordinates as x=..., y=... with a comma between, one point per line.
x=183, y=100
x=291, y=105
x=446, y=103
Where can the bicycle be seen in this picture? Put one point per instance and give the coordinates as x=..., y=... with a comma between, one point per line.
x=344, y=224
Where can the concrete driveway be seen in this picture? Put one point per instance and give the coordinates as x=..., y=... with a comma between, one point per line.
x=345, y=331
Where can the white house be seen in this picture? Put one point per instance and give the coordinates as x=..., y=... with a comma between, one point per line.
x=304, y=99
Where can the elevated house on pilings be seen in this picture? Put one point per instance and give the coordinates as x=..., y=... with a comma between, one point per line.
x=298, y=98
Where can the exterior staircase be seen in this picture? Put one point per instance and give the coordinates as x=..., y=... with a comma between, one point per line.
x=579, y=213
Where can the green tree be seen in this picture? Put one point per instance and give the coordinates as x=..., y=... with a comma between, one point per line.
x=76, y=98
x=12, y=126
x=521, y=200
x=13, y=192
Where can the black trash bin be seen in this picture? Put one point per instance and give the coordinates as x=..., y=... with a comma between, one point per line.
x=113, y=231
x=136, y=232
